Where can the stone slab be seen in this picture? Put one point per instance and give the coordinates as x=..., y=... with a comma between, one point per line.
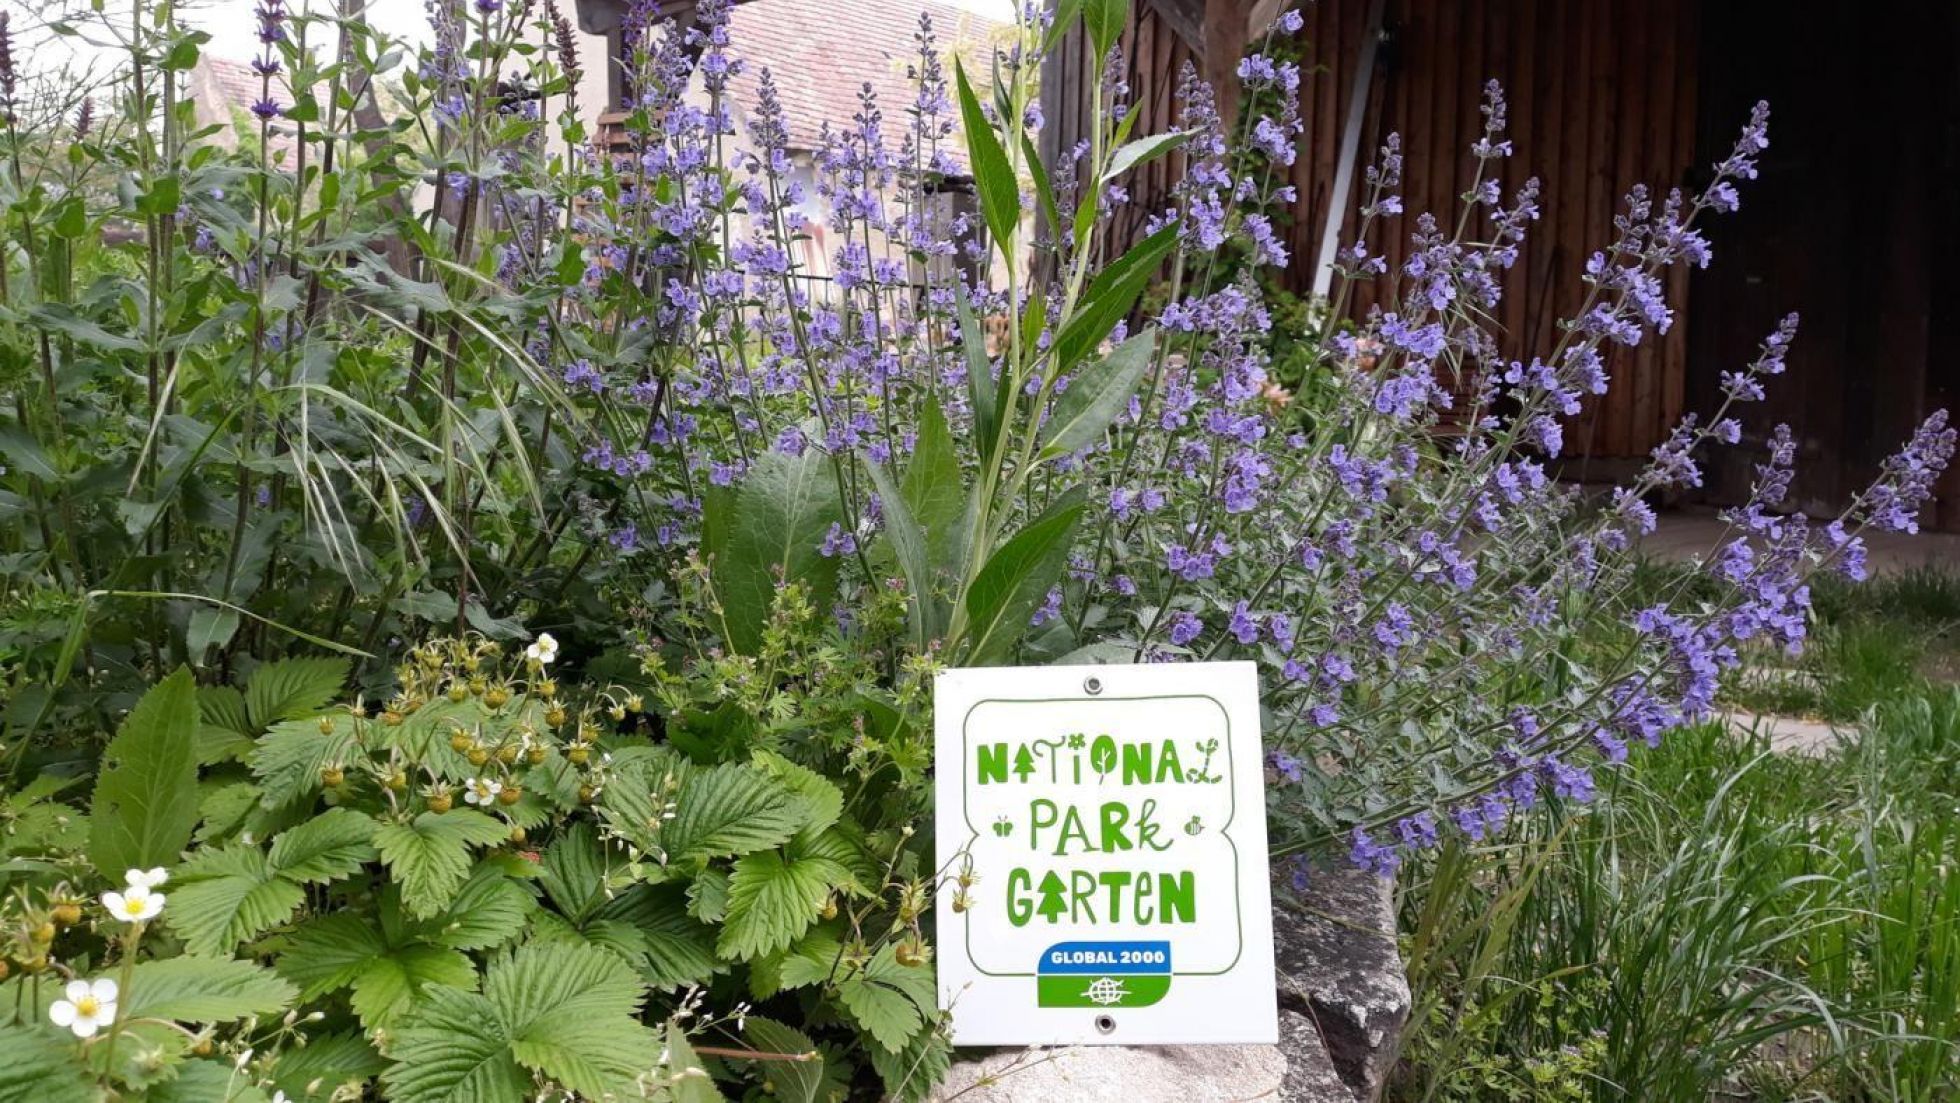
x=1339, y=963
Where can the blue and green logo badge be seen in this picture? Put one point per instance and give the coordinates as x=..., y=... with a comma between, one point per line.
x=1103, y=974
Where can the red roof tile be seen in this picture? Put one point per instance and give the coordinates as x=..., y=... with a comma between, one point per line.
x=823, y=52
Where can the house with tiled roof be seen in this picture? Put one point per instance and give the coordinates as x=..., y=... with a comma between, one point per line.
x=823, y=55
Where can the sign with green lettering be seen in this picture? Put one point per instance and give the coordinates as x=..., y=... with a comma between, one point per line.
x=1102, y=848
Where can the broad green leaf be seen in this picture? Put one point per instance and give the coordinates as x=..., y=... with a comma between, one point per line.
x=823, y=801
x=573, y=1014
x=1008, y=590
x=573, y=871
x=325, y=848
x=205, y=1081
x=911, y=1074
x=1143, y=151
x=1104, y=20
x=346, y=950
x=795, y=1081
x=455, y=1048
x=225, y=896
x=430, y=856
x=25, y=453
x=1000, y=195
x=290, y=757
x=37, y=1064
x=204, y=990
x=332, y=1061
x=209, y=626
x=730, y=810
x=707, y=895
x=145, y=805
x=1096, y=395
x=293, y=688
x=671, y=948
x=908, y=542
x=691, y=1080
x=772, y=898
x=489, y=910
x=771, y=525
x=936, y=494
x=1110, y=296
x=815, y=959
x=889, y=1000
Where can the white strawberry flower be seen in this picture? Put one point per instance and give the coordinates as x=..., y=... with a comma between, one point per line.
x=135, y=906
x=543, y=650
x=481, y=790
x=90, y=1005
x=146, y=878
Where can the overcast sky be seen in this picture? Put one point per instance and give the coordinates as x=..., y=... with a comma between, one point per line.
x=234, y=33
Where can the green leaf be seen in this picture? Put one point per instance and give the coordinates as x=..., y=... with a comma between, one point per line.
x=289, y=758
x=454, y=1049
x=325, y=848
x=908, y=547
x=204, y=1081
x=794, y=1081
x=204, y=990
x=691, y=1080
x=1000, y=195
x=224, y=897
x=889, y=1000
x=573, y=1015
x=489, y=910
x=707, y=896
x=36, y=1064
x=1143, y=151
x=1110, y=296
x=209, y=626
x=292, y=689
x=343, y=950
x=337, y=1061
x=730, y=810
x=911, y=1074
x=979, y=374
x=1096, y=395
x=145, y=805
x=430, y=857
x=1104, y=20
x=1008, y=590
x=770, y=526
x=25, y=453
x=935, y=491
x=772, y=898
x=823, y=801
x=650, y=924
x=573, y=871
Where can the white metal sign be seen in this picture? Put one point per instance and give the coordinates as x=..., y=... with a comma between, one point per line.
x=1102, y=834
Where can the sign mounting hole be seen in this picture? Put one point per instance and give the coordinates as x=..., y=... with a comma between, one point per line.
x=1092, y=685
x=1106, y=1024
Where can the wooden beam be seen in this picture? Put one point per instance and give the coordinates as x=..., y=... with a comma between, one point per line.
x=1343, y=193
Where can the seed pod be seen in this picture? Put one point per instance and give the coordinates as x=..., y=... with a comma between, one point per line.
x=511, y=795
x=440, y=803
x=326, y=725
x=517, y=835
x=507, y=754
x=332, y=776
x=535, y=756
x=556, y=717
x=43, y=934
x=496, y=697
x=459, y=741
x=578, y=754
x=458, y=692
x=66, y=915
x=829, y=907
x=910, y=953
x=477, y=756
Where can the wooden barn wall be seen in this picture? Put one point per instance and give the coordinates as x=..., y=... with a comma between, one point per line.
x=1153, y=55
x=1601, y=96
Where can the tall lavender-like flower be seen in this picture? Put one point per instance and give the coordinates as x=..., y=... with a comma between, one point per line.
x=1906, y=481
x=9, y=77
